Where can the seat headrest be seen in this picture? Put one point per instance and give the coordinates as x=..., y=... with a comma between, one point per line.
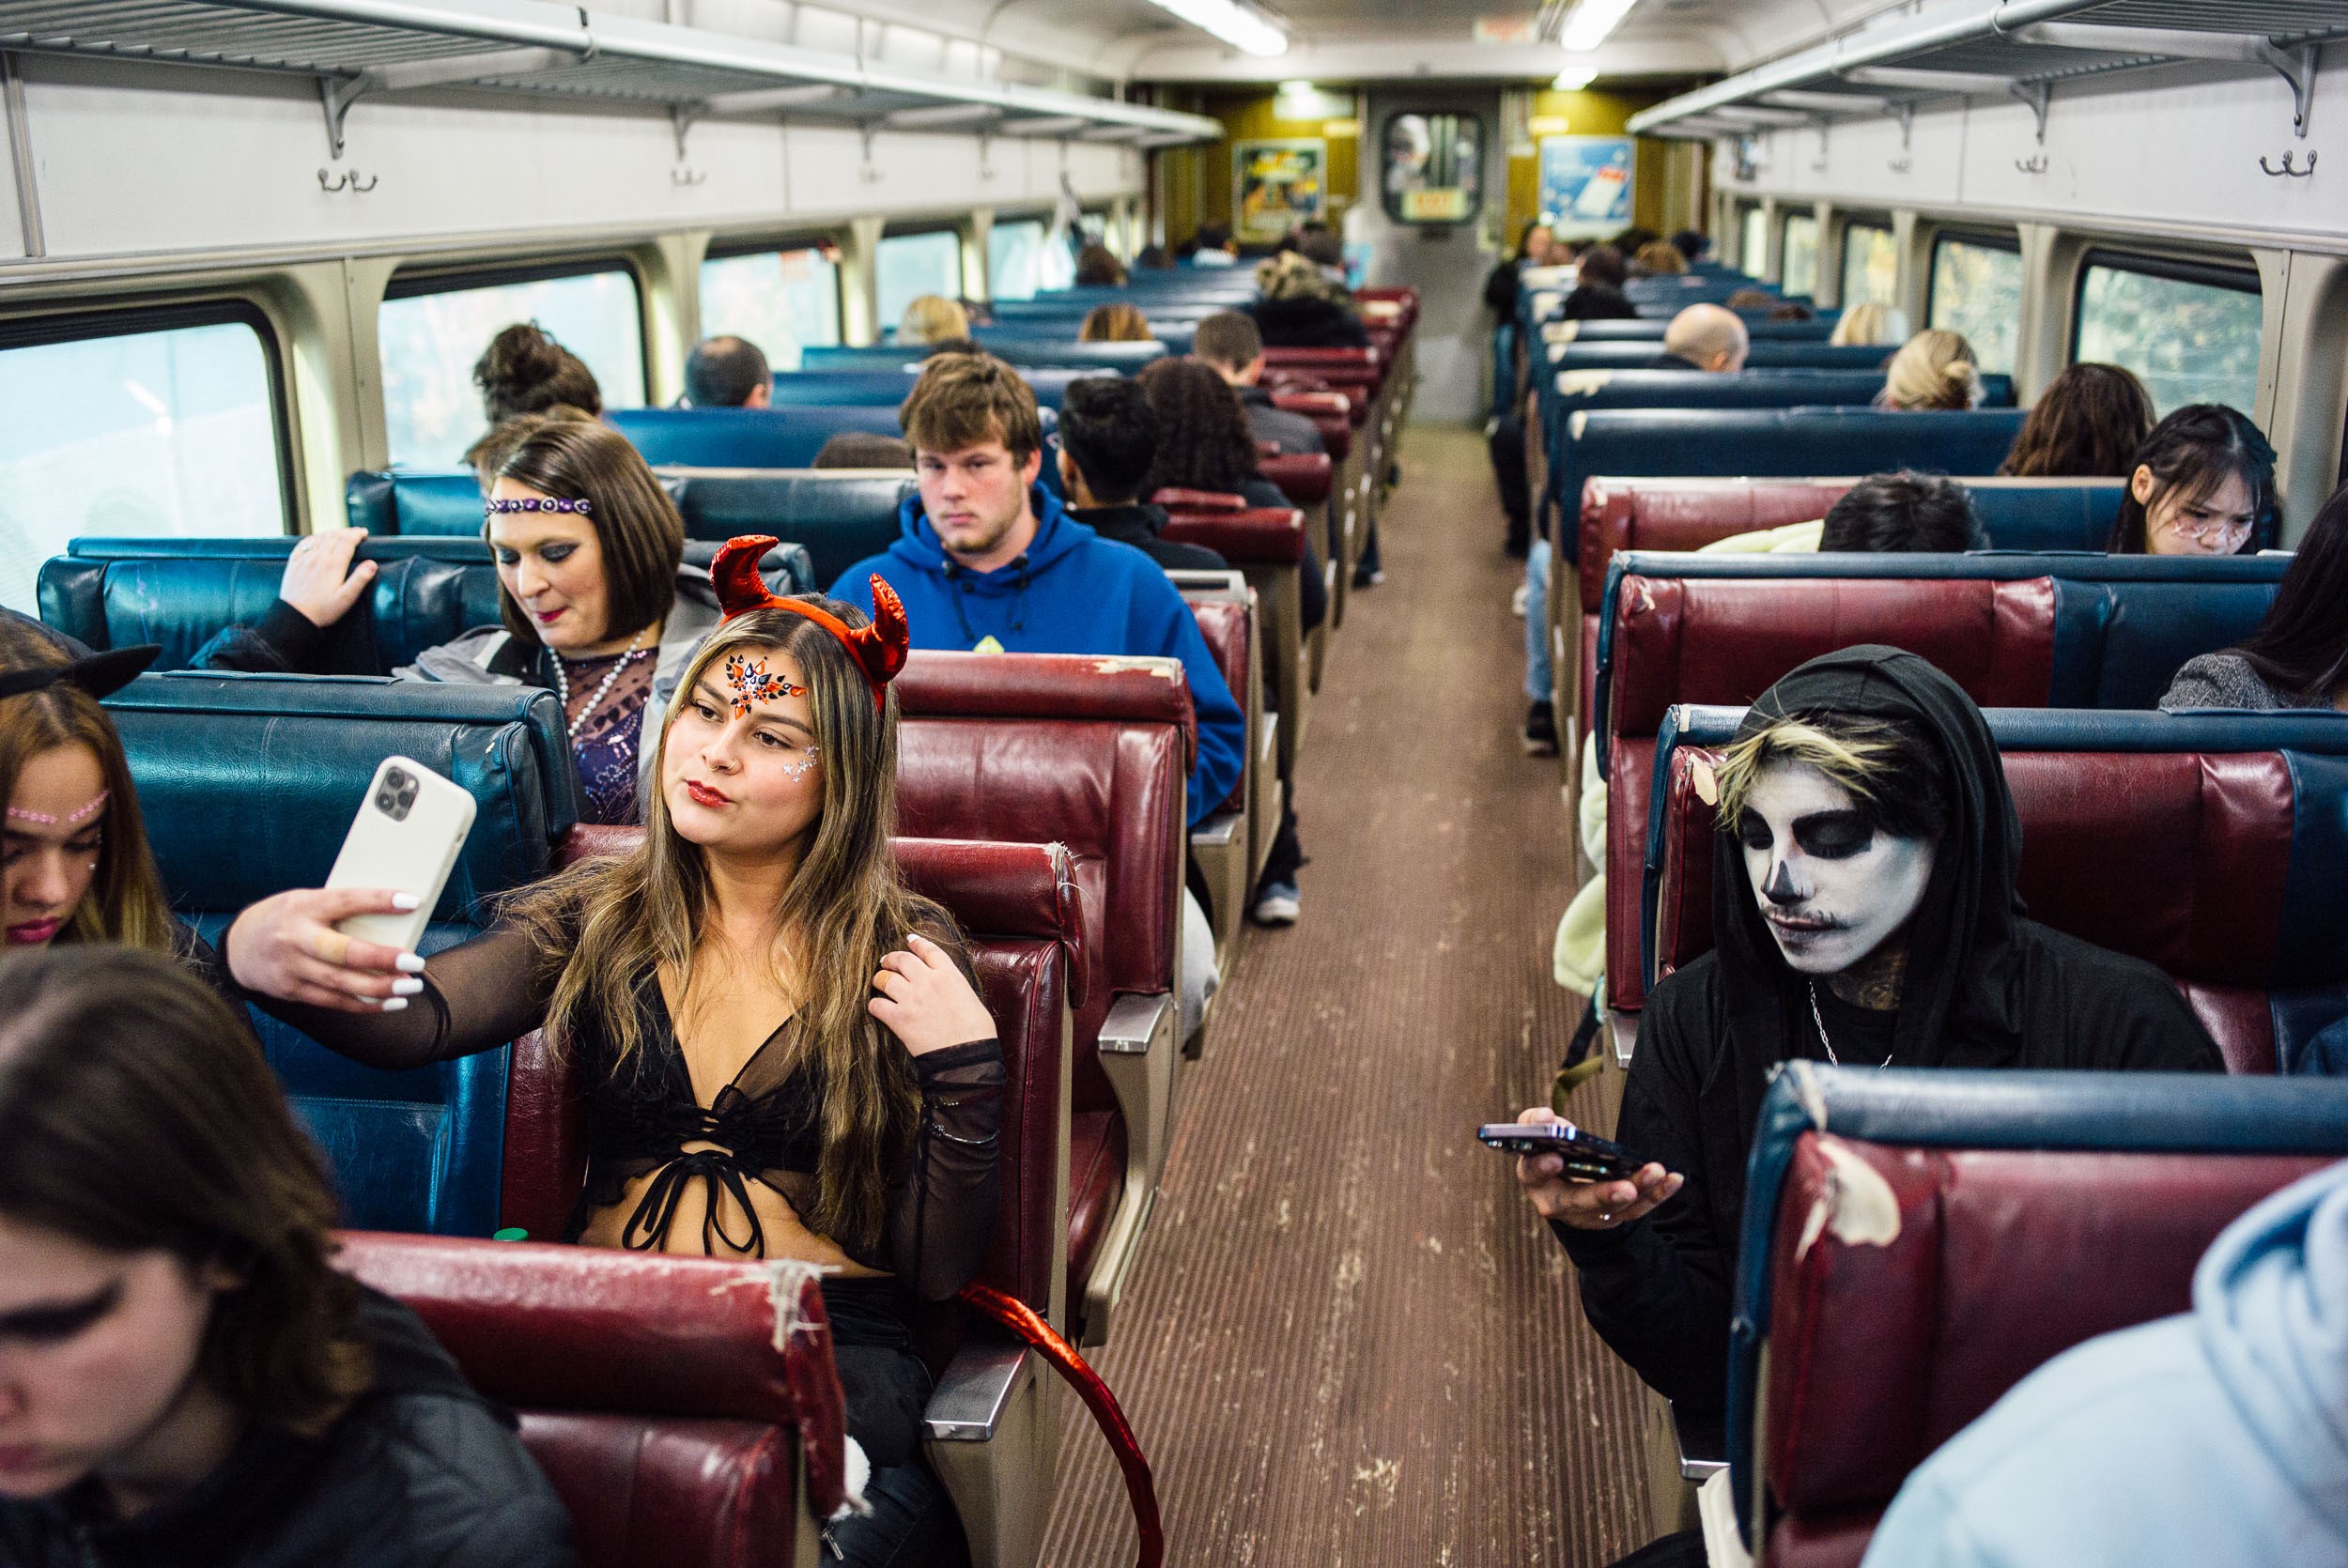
x=415, y=500
x=1304, y=477
x=248, y=783
x=941, y=684
x=1254, y=536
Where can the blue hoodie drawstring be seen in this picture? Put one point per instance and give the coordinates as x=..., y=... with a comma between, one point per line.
x=955, y=575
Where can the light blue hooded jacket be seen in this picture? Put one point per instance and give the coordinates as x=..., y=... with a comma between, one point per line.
x=2213, y=1439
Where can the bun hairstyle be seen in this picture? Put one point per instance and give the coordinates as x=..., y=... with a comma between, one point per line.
x=524, y=371
x=1933, y=372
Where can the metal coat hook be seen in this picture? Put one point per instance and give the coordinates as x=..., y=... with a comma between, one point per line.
x=2288, y=167
x=868, y=173
x=688, y=176
x=347, y=180
x=1819, y=167
x=1901, y=165
x=2033, y=166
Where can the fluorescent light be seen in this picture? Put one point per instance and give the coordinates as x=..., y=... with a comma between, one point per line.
x=1576, y=75
x=1589, y=25
x=1297, y=87
x=1234, y=23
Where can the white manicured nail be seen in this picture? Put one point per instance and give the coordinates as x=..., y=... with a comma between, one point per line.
x=409, y=963
x=394, y=1004
x=405, y=900
x=407, y=986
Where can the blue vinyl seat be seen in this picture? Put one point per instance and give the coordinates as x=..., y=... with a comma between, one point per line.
x=248, y=785
x=1768, y=353
x=817, y=389
x=1761, y=442
x=787, y=437
x=181, y=592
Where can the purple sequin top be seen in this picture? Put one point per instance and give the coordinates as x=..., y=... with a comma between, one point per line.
x=607, y=744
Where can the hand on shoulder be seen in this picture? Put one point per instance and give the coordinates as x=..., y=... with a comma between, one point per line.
x=926, y=1001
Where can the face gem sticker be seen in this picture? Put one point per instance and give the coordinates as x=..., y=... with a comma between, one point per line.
x=751, y=683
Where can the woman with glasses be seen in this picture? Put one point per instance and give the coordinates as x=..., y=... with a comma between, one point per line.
x=2204, y=484
x=2298, y=656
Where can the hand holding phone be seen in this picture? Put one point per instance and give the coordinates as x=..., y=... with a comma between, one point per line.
x=1576, y=1178
x=410, y=829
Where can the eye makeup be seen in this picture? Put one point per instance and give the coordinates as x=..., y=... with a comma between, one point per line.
x=51, y=1325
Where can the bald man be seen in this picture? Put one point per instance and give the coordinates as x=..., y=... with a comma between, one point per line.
x=1704, y=337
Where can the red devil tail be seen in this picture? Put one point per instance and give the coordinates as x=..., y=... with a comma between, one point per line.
x=735, y=571
x=1022, y=1320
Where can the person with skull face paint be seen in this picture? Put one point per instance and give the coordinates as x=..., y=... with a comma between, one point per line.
x=1863, y=893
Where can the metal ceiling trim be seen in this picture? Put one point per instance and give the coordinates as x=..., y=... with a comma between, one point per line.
x=497, y=28
x=1868, y=56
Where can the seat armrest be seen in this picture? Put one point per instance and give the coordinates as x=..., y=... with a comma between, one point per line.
x=992, y=1432
x=1135, y=1022
x=1623, y=1030
x=1220, y=831
x=1703, y=1445
x=975, y=1391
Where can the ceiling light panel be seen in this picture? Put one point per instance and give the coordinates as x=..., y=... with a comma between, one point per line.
x=1588, y=25
x=1236, y=24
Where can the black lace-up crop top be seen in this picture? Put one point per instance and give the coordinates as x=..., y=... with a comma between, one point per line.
x=765, y=1123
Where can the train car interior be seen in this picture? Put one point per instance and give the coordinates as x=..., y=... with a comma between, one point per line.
x=1011, y=782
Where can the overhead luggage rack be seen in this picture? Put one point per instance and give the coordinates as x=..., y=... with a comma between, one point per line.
x=357, y=48
x=2021, y=48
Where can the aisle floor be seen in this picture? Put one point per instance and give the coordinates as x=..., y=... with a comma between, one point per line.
x=1349, y=1342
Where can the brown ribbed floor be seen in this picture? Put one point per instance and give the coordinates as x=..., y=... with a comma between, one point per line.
x=1349, y=1343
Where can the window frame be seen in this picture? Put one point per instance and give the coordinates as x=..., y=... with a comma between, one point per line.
x=2237, y=279
x=1981, y=240
x=41, y=330
x=1785, y=223
x=727, y=249
x=907, y=231
x=415, y=282
x=1873, y=223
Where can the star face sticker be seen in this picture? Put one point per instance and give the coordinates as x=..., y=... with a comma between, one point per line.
x=751, y=683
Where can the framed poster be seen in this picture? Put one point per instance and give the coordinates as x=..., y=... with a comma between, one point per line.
x=1432, y=167
x=1585, y=184
x=1276, y=185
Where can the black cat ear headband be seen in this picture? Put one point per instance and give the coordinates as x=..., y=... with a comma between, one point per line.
x=99, y=674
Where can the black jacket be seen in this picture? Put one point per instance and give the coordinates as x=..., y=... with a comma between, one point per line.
x=1671, y=361
x=422, y=1472
x=1307, y=322
x=1136, y=523
x=1268, y=422
x=1985, y=987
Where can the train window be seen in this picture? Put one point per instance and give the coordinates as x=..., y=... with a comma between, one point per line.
x=1871, y=265
x=2189, y=330
x=1752, y=245
x=912, y=265
x=153, y=425
x=432, y=329
x=1013, y=251
x=782, y=300
x=1797, y=266
x=1977, y=290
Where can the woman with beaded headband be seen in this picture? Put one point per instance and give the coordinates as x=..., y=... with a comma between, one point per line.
x=597, y=601
x=75, y=866
x=781, y=1050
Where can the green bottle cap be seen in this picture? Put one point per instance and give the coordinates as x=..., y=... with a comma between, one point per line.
x=511, y=1232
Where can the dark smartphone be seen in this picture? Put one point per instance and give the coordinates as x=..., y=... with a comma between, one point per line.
x=1588, y=1157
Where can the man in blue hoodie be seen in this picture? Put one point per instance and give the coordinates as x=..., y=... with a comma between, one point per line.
x=989, y=562
x=2220, y=1436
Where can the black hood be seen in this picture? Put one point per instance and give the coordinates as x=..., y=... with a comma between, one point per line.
x=1960, y=1000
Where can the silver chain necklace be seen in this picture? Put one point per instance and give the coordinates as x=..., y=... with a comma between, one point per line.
x=633, y=652
x=1819, y=1019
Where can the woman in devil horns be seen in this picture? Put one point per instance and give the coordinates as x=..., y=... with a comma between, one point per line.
x=783, y=1051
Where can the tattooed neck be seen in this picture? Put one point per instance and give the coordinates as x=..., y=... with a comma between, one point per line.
x=1873, y=982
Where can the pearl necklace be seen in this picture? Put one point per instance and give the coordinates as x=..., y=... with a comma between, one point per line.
x=562, y=685
x=1819, y=1019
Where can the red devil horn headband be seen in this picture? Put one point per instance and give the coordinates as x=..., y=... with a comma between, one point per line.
x=878, y=650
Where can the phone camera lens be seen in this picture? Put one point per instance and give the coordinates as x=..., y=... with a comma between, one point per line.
x=383, y=800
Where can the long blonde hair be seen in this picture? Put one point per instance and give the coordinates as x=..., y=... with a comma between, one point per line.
x=622, y=922
x=125, y=903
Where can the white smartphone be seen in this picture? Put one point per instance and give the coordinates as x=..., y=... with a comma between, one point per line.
x=406, y=838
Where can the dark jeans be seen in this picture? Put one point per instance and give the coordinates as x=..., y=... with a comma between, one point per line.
x=912, y=1524
x=1284, y=855
x=1506, y=443
x=884, y=1385
x=1683, y=1550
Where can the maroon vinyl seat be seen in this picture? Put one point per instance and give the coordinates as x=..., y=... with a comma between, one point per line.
x=1711, y=640
x=1091, y=754
x=2105, y=835
x=1331, y=414
x=1341, y=369
x=1879, y=1351
x=1229, y=846
x=1267, y=545
x=651, y=1389
x=1304, y=477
